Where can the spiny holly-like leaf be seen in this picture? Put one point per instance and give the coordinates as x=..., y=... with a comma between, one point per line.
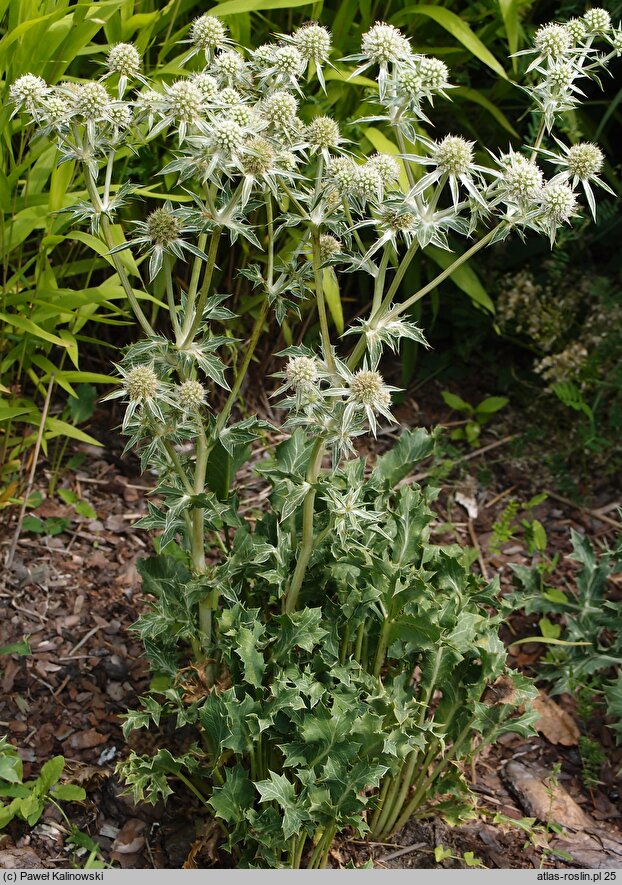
x=213, y=718
x=232, y=800
x=251, y=657
x=411, y=447
x=279, y=789
x=302, y=629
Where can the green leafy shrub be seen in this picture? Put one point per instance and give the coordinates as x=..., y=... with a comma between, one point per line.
x=587, y=652
x=335, y=666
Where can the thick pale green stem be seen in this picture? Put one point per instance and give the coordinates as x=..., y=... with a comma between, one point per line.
x=383, y=643
x=107, y=238
x=198, y=535
x=399, y=274
x=397, y=798
x=382, y=315
x=170, y=297
x=384, y=790
x=321, y=303
x=178, y=466
x=306, y=546
x=428, y=781
x=466, y=256
x=248, y=355
x=379, y=281
x=194, y=309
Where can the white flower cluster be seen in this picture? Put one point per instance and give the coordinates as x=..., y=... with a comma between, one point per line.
x=564, y=54
x=337, y=405
x=250, y=150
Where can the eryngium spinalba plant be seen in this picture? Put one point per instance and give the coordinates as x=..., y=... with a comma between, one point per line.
x=336, y=667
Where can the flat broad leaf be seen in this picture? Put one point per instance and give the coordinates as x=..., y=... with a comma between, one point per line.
x=458, y=28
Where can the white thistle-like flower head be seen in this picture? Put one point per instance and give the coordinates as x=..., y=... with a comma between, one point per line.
x=585, y=159
x=120, y=115
x=433, y=72
x=28, y=90
x=522, y=178
x=124, y=59
x=230, y=66
x=258, y=156
x=454, y=155
x=558, y=202
x=91, y=100
x=343, y=171
x=229, y=96
x=288, y=60
x=597, y=20
x=313, y=42
x=191, y=395
x=384, y=43
x=329, y=247
x=552, y=40
x=397, y=221
x=206, y=84
x=227, y=135
x=185, y=99
x=323, y=132
x=264, y=55
x=141, y=383
x=280, y=109
x=208, y=32
x=387, y=167
x=367, y=388
x=560, y=74
x=56, y=107
x=367, y=182
x=577, y=29
x=302, y=373
x=162, y=227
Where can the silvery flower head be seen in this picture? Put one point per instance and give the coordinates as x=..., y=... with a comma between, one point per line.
x=577, y=29
x=385, y=46
x=322, y=135
x=597, y=21
x=124, y=59
x=208, y=33
x=343, y=172
x=279, y=109
x=141, y=383
x=558, y=205
x=206, y=84
x=552, y=41
x=330, y=247
x=28, y=91
x=162, y=233
x=580, y=163
x=191, y=395
x=231, y=69
x=313, y=42
x=387, y=167
x=366, y=396
x=520, y=180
